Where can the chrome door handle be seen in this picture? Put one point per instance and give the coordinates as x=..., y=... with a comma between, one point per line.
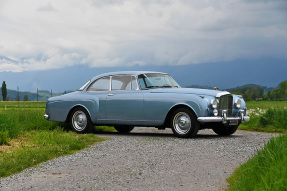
x=111, y=94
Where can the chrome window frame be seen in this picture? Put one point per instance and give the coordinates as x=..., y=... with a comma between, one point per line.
x=131, y=75
x=96, y=81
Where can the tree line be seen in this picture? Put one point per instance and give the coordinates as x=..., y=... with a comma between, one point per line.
x=5, y=97
x=258, y=93
x=16, y=95
x=248, y=93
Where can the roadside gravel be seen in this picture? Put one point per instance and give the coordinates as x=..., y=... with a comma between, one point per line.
x=146, y=159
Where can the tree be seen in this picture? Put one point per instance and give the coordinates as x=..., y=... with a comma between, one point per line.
x=4, y=91
x=283, y=89
x=25, y=98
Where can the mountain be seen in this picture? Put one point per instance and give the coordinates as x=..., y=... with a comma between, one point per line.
x=225, y=75
x=265, y=88
x=200, y=87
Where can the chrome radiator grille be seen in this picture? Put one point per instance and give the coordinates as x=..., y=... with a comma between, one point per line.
x=225, y=103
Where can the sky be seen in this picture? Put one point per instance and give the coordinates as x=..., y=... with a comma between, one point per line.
x=57, y=34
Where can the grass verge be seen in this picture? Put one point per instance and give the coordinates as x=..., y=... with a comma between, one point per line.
x=27, y=139
x=267, y=170
x=37, y=146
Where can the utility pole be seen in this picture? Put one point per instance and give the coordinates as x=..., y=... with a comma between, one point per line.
x=51, y=93
x=37, y=94
x=18, y=97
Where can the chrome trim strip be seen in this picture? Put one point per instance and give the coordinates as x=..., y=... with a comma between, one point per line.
x=222, y=93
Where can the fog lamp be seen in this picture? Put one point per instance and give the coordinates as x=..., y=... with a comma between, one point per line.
x=215, y=112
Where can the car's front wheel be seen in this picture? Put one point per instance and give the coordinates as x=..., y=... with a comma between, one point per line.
x=223, y=130
x=123, y=128
x=183, y=123
x=80, y=121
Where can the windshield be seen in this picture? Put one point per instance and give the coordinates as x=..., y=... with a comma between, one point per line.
x=156, y=81
x=83, y=87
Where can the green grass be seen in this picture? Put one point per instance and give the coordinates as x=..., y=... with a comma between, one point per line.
x=22, y=104
x=39, y=146
x=266, y=104
x=27, y=139
x=267, y=170
x=266, y=117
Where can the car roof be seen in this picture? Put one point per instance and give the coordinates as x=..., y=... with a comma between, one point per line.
x=136, y=73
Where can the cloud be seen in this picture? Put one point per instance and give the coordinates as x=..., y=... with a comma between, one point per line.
x=46, y=34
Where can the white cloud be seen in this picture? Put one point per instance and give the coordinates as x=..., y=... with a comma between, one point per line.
x=55, y=34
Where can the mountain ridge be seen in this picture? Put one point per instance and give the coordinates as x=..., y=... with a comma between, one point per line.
x=224, y=75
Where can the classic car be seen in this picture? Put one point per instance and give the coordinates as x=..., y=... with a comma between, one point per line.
x=147, y=99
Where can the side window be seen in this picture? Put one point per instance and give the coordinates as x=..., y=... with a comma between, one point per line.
x=121, y=82
x=142, y=82
x=134, y=83
x=102, y=84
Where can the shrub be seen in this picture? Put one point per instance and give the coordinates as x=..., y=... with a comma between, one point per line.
x=276, y=117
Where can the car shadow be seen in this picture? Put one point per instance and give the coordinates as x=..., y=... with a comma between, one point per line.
x=158, y=134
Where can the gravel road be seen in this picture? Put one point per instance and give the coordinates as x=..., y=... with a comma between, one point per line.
x=145, y=159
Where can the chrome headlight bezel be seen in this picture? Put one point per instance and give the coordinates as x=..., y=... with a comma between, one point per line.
x=214, y=103
x=237, y=103
x=215, y=112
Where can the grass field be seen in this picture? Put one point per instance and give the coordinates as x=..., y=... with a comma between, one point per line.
x=267, y=170
x=266, y=116
x=26, y=138
x=266, y=104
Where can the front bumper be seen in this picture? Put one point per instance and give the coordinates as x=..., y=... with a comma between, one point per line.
x=46, y=116
x=224, y=118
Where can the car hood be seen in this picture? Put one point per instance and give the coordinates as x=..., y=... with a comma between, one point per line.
x=188, y=91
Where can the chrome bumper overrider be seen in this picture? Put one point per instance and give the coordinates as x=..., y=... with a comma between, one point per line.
x=224, y=118
x=46, y=116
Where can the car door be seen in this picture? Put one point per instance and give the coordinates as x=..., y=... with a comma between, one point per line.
x=99, y=90
x=124, y=103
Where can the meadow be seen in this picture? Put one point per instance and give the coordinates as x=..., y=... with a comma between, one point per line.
x=27, y=139
x=266, y=116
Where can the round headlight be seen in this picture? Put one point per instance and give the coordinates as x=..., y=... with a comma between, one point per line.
x=213, y=103
x=237, y=103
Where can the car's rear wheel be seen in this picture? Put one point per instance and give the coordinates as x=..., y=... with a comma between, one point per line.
x=183, y=123
x=223, y=130
x=123, y=128
x=80, y=121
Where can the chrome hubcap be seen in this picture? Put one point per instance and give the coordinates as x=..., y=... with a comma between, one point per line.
x=79, y=120
x=182, y=123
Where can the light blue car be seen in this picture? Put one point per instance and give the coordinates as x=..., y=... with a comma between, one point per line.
x=150, y=99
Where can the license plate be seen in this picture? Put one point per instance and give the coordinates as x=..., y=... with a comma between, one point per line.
x=233, y=122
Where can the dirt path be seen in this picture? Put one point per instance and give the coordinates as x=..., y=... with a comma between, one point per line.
x=146, y=159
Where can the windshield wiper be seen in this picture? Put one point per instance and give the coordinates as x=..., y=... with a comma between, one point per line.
x=166, y=86
x=153, y=86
